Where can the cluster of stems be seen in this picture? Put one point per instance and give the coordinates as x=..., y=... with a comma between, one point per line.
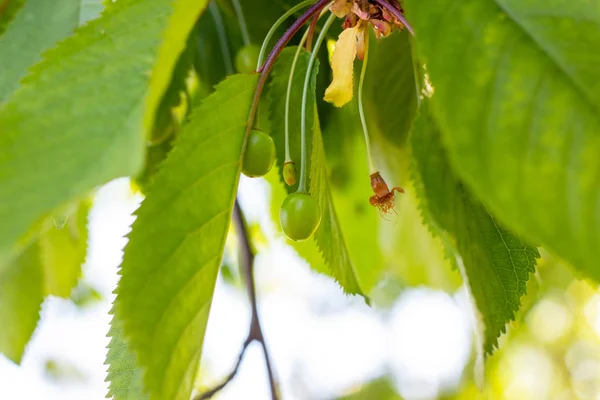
x=264, y=66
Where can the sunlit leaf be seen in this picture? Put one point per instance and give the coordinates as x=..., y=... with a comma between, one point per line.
x=495, y=264
x=21, y=296
x=8, y=10
x=173, y=256
x=380, y=389
x=63, y=251
x=54, y=149
x=36, y=27
x=89, y=9
x=390, y=89
x=351, y=189
x=125, y=377
x=517, y=100
x=329, y=236
x=413, y=254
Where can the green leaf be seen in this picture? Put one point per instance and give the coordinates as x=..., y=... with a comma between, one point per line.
x=63, y=250
x=89, y=10
x=413, y=255
x=517, y=99
x=260, y=15
x=213, y=58
x=496, y=263
x=54, y=148
x=329, y=236
x=350, y=187
x=8, y=10
x=125, y=377
x=36, y=27
x=174, y=253
x=390, y=94
x=21, y=296
x=380, y=389
x=169, y=115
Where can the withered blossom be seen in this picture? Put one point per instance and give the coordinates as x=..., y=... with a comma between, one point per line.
x=358, y=15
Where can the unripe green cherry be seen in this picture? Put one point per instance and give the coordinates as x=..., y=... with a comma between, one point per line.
x=260, y=154
x=246, y=59
x=300, y=216
x=289, y=173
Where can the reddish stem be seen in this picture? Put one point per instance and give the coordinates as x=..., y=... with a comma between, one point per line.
x=266, y=68
x=287, y=36
x=311, y=32
x=396, y=13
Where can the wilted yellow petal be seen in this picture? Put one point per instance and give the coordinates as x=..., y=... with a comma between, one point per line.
x=341, y=89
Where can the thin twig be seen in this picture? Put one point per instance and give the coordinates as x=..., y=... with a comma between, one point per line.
x=209, y=394
x=247, y=255
x=255, y=332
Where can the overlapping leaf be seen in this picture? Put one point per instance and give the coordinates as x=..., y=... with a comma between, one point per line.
x=125, y=376
x=350, y=188
x=496, y=263
x=21, y=296
x=63, y=251
x=390, y=88
x=517, y=99
x=329, y=236
x=80, y=118
x=36, y=27
x=89, y=9
x=174, y=253
x=48, y=263
x=8, y=10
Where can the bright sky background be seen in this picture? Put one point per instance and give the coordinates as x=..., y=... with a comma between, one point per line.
x=323, y=343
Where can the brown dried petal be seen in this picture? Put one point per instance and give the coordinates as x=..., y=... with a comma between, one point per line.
x=364, y=15
x=341, y=8
x=382, y=28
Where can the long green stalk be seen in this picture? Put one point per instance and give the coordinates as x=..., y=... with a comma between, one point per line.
x=311, y=63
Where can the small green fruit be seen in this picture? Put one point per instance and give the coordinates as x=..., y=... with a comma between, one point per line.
x=260, y=154
x=289, y=173
x=247, y=58
x=300, y=216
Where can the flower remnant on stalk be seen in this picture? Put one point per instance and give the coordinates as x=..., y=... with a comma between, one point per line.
x=358, y=15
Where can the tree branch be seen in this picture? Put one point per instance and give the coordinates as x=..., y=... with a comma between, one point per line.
x=255, y=332
x=209, y=394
